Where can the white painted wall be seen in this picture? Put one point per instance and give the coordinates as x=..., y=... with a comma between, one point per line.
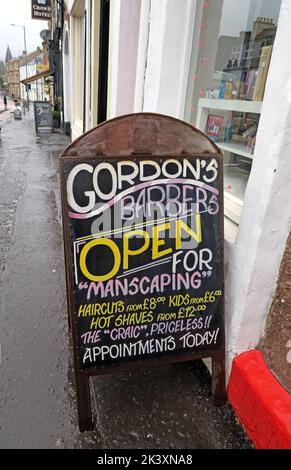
x=113, y=59
x=87, y=72
x=75, y=7
x=36, y=93
x=128, y=49
x=94, y=75
x=67, y=73
x=77, y=57
x=123, y=51
x=142, y=52
x=69, y=5
x=77, y=81
x=255, y=258
x=166, y=55
x=77, y=46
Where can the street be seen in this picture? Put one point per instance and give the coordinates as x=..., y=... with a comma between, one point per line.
x=162, y=407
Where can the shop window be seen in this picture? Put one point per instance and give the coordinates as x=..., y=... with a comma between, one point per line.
x=231, y=52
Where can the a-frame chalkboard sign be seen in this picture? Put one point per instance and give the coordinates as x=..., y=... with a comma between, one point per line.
x=43, y=117
x=142, y=202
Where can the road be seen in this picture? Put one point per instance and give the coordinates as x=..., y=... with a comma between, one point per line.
x=162, y=407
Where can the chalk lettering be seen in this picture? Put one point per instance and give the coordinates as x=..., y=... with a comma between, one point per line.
x=146, y=254
x=138, y=348
x=125, y=174
x=154, y=244
x=91, y=337
x=145, y=285
x=198, y=339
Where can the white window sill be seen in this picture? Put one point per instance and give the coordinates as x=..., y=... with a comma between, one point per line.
x=230, y=230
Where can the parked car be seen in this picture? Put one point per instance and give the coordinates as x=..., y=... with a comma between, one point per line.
x=17, y=112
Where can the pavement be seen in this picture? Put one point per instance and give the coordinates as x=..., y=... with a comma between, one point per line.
x=5, y=114
x=162, y=407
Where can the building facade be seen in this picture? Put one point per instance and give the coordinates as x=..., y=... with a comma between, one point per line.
x=20, y=69
x=220, y=65
x=13, y=78
x=36, y=90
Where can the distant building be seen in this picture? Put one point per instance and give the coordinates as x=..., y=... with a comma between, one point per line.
x=243, y=51
x=8, y=56
x=13, y=72
x=2, y=68
x=12, y=77
x=36, y=89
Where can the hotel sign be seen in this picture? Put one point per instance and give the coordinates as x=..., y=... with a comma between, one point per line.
x=41, y=9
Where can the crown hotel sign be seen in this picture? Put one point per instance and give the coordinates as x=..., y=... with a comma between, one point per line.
x=41, y=9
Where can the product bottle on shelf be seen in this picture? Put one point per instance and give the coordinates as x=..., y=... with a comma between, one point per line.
x=228, y=131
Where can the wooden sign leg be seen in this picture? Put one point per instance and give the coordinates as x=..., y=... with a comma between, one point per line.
x=69, y=324
x=218, y=380
x=83, y=402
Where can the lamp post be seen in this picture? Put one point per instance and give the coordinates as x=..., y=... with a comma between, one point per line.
x=25, y=50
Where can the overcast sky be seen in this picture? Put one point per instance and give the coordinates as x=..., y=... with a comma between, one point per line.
x=239, y=15
x=18, y=12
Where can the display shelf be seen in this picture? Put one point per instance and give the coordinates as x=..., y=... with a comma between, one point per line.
x=241, y=106
x=234, y=147
x=232, y=207
x=235, y=180
x=230, y=230
x=207, y=104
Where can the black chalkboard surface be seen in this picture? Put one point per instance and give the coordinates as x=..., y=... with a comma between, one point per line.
x=142, y=202
x=43, y=115
x=145, y=239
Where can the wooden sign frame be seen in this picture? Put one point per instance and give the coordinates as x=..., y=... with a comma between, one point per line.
x=35, y=117
x=135, y=137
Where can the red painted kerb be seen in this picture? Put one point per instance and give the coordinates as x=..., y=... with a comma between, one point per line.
x=261, y=404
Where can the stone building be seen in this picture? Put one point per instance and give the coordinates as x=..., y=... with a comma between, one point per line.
x=13, y=73
x=13, y=78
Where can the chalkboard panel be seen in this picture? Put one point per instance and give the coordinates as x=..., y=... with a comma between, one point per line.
x=146, y=245
x=43, y=115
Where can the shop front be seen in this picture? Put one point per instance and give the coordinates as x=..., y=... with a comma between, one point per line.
x=223, y=67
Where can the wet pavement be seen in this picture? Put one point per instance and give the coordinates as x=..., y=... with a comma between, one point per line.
x=163, y=407
x=35, y=410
